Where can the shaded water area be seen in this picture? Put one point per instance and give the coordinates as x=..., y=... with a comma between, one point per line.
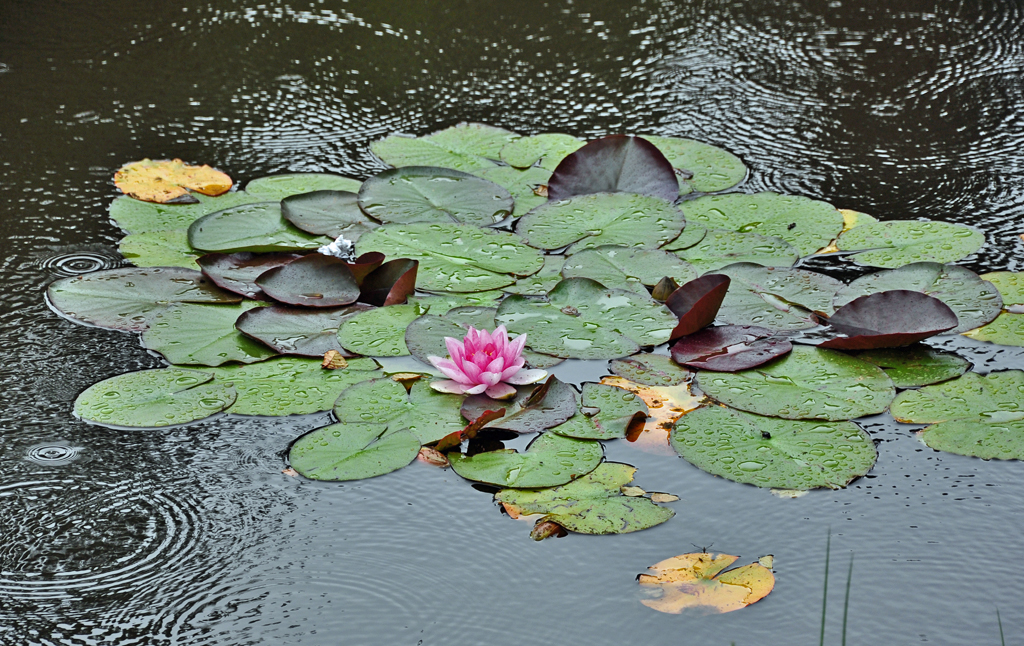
x=194, y=536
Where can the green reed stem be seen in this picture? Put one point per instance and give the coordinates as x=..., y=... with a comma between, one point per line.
x=824, y=598
x=846, y=602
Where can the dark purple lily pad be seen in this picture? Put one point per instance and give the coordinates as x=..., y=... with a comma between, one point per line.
x=315, y=280
x=615, y=164
x=889, y=319
x=237, y=272
x=533, y=409
x=328, y=213
x=391, y=283
x=298, y=331
x=365, y=265
x=730, y=348
x=696, y=303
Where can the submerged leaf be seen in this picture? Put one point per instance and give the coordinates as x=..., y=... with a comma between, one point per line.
x=614, y=164
x=651, y=370
x=696, y=581
x=169, y=181
x=665, y=405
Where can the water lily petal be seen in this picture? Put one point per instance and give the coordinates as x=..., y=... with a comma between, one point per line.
x=500, y=391
x=524, y=377
x=450, y=387
x=476, y=390
x=517, y=344
x=451, y=370
x=513, y=369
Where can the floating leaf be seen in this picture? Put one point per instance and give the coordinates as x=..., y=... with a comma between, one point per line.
x=804, y=223
x=581, y=319
x=620, y=267
x=651, y=370
x=153, y=398
x=707, y=168
x=542, y=282
x=974, y=301
x=771, y=452
x=776, y=298
x=315, y=280
x=425, y=336
x=432, y=194
x=456, y=257
x=169, y=181
x=1010, y=285
x=720, y=247
x=250, y=227
x=442, y=303
x=342, y=452
x=692, y=234
x=1007, y=329
x=333, y=360
x=521, y=184
x=696, y=581
x=901, y=242
x=466, y=147
x=730, y=348
x=889, y=320
x=697, y=303
x=665, y=405
x=533, y=410
x=291, y=386
x=427, y=413
x=128, y=298
x=808, y=383
x=614, y=164
x=592, y=504
x=390, y=284
x=589, y=221
x=237, y=272
x=379, y=332
x=547, y=149
x=159, y=249
x=549, y=461
x=204, y=335
x=327, y=213
x=293, y=330
x=274, y=188
x=136, y=216
x=612, y=413
x=916, y=365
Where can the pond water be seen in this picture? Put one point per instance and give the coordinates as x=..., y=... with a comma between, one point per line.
x=194, y=536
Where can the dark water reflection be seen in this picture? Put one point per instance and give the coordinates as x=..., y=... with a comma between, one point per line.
x=193, y=536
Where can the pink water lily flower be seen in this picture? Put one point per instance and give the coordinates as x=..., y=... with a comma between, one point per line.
x=484, y=362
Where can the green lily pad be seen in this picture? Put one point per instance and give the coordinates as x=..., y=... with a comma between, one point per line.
x=1010, y=285
x=136, y=216
x=543, y=281
x=274, y=188
x=296, y=330
x=440, y=304
x=775, y=298
x=627, y=268
x=719, y=248
x=581, y=319
x=989, y=441
x=974, y=301
x=428, y=414
x=425, y=336
x=328, y=213
x=254, y=227
x=1007, y=329
x=804, y=223
x=203, y=334
x=545, y=150
x=692, y=234
x=128, y=298
x=916, y=365
x=352, y=452
x=901, y=242
x=532, y=410
x=593, y=220
x=772, y=452
x=455, y=257
x=807, y=383
x=593, y=504
x=466, y=147
x=291, y=386
x=612, y=412
x=153, y=398
x=549, y=461
x=651, y=370
x=432, y=194
x=168, y=248
x=379, y=332
x=520, y=184
x=712, y=168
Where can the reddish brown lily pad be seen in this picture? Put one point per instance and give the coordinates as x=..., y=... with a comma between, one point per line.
x=237, y=272
x=889, y=319
x=298, y=330
x=730, y=348
x=696, y=303
x=315, y=280
x=615, y=164
x=532, y=410
x=391, y=283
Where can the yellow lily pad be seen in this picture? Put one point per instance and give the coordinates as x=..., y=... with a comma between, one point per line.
x=166, y=181
x=697, y=580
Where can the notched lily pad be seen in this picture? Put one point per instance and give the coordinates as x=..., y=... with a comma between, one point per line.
x=298, y=331
x=137, y=216
x=776, y=298
x=697, y=581
x=1007, y=329
x=203, y=335
x=237, y=272
x=621, y=267
x=549, y=461
x=315, y=280
x=257, y=227
x=889, y=320
x=169, y=181
x=697, y=303
x=615, y=164
x=546, y=150
x=342, y=452
x=719, y=247
x=521, y=184
x=327, y=213
x=430, y=415
x=901, y=242
x=651, y=370
x=606, y=413
x=432, y=194
x=730, y=348
x=379, y=332
x=700, y=166
x=466, y=147
x=532, y=410
x=274, y=188
x=168, y=248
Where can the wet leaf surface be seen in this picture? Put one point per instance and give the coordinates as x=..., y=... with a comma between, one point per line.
x=730, y=348
x=314, y=280
x=454, y=257
x=430, y=415
x=136, y=216
x=901, y=242
x=589, y=221
x=710, y=169
x=237, y=272
x=889, y=320
x=806, y=224
x=352, y=452
x=720, y=247
x=327, y=213
x=545, y=150
x=601, y=324
x=257, y=227
x=205, y=335
x=549, y=461
x=651, y=370
x=390, y=284
x=1010, y=285
x=692, y=234
x=592, y=504
x=606, y=413
x=298, y=331
x=542, y=282
x=168, y=248
x=665, y=405
x=974, y=301
x=128, y=298
x=776, y=298
x=153, y=398
x=439, y=304
x=533, y=409
x=521, y=184
x=166, y=181
x=379, y=332
x=696, y=303
x=615, y=164
x=466, y=147
x=432, y=194
x=274, y=188
x=621, y=267
x=1006, y=329
x=808, y=383
x=697, y=581
x=916, y=365
x=772, y=452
